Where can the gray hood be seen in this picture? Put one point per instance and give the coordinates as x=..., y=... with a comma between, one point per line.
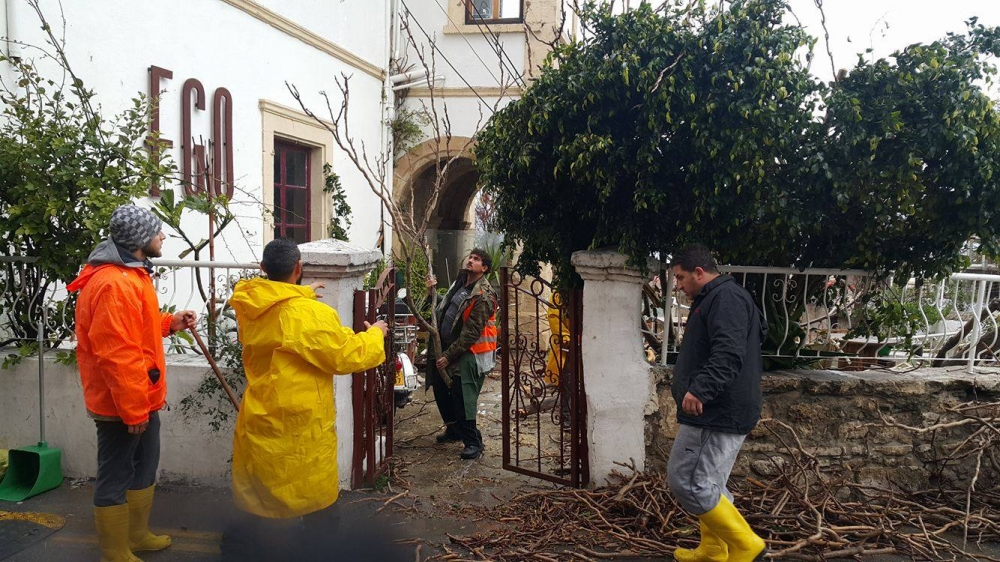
x=109, y=252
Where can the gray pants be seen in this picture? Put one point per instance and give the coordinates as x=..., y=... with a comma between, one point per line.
x=699, y=467
x=125, y=461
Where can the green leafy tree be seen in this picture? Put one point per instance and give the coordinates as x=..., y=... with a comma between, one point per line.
x=64, y=168
x=340, y=223
x=904, y=170
x=696, y=123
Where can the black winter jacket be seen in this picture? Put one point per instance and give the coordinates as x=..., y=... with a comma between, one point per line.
x=720, y=361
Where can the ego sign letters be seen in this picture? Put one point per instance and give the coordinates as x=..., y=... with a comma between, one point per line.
x=198, y=172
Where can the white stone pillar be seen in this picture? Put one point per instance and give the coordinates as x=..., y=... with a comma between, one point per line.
x=343, y=268
x=616, y=375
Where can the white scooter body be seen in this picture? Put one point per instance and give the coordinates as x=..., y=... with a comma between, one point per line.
x=406, y=380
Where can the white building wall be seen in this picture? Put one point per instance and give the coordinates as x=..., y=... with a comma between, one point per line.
x=360, y=26
x=468, y=114
x=110, y=45
x=465, y=56
x=476, y=64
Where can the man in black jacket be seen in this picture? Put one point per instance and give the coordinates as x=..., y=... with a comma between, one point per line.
x=716, y=386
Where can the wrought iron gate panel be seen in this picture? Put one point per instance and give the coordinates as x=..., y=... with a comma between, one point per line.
x=373, y=389
x=543, y=399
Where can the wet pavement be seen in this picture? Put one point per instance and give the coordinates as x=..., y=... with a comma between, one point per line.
x=426, y=501
x=428, y=493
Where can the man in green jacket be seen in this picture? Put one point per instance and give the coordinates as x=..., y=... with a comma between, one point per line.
x=466, y=319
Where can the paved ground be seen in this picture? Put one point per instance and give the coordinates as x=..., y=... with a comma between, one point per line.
x=430, y=486
x=435, y=481
x=436, y=474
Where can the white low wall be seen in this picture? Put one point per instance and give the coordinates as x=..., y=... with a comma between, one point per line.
x=189, y=451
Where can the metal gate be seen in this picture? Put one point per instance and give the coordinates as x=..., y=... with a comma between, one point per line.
x=373, y=389
x=544, y=404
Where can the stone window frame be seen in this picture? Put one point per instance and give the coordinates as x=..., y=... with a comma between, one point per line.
x=457, y=21
x=471, y=19
x=292, y=126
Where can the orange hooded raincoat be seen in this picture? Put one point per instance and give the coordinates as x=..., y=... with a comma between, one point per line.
x=119, y=332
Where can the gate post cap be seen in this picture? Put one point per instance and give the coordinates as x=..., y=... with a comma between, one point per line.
x=338, y=254
x=608, y=265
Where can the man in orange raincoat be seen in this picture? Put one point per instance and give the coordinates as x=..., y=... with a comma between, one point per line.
x=119, y=330
x=285, y=442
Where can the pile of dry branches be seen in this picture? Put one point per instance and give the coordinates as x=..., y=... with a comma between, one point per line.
x=806, y=512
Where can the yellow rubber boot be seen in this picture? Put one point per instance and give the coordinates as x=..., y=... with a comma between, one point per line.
x=140, y=502
x=711, y=549
x=727, y=523
x=112, y=533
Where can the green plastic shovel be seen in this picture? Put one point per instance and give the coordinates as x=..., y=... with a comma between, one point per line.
x=36, y=468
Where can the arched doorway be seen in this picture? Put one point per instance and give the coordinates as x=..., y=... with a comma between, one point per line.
x=452, y=225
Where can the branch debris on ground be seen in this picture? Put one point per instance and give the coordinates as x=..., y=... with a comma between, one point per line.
x=806, y=512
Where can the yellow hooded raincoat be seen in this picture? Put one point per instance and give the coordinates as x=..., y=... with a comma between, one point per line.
x=285, y=443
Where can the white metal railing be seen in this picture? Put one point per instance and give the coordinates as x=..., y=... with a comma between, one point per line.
x=825, y=314
x=180, y=285
x=25, y=298
x=190, y=284
x=960, y=313
x=202, y=286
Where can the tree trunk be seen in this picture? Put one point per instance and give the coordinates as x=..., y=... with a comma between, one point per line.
x=954, y=340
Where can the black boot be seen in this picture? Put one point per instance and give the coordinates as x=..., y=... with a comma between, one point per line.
x=471, y=452
x=449, y=435
x=473, y=440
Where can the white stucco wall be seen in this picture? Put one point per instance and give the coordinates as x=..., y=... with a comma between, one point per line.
x=475, y=60
x=467, y=114
x=360, y=26
x=189, y=450
x=111, y=44
x=436, y=23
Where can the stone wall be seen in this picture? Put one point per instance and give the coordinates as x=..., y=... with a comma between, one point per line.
x=838, y=417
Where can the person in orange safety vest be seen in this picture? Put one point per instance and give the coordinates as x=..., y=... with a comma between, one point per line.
x=120, y=331
x=467, y=323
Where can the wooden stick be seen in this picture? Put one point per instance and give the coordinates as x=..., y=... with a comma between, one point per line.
x=218, y=373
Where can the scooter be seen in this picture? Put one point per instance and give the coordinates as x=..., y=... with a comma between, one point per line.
x=406, y=380
x=404, y=340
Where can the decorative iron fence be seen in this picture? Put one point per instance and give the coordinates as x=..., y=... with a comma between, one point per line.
x=372, y=397
x=544, y=402
x=26, y=296
x=848, y=318
x=202, y=286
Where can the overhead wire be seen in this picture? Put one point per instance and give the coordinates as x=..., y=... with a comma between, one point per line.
x=492, y=39
x=480, y=21
x=438, y=49
x=471, y=48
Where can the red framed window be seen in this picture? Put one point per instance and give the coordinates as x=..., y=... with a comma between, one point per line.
x=291, y=192
x=494, y=11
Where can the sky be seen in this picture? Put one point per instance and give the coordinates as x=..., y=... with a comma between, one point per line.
x=882, y=25
x=886, y=25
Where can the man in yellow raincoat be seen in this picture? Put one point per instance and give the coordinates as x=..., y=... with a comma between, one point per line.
x=285, y=442
x=559, y=336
